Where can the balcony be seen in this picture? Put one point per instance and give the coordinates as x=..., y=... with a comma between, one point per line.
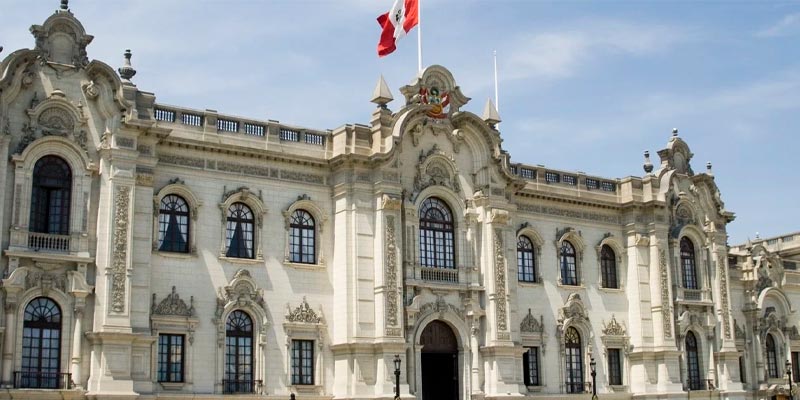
x=42, y=380
x=693, y=296
x=241, y=387
x=48, y=242
x=443, y=275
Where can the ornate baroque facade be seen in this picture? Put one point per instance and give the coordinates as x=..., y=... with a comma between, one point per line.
x=160, y=252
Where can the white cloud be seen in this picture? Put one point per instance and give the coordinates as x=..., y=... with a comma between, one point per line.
x=789, y=25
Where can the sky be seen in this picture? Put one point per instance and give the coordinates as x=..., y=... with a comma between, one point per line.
x=583, y=86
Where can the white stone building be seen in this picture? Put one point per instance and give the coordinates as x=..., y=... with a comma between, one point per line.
x=152, y=251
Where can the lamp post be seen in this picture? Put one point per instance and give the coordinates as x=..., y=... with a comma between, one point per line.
x=593, y=365
x=789, y=374
x=397, y=362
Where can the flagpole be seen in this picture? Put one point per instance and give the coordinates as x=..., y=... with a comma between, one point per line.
x=496, y=97
x=419, y=36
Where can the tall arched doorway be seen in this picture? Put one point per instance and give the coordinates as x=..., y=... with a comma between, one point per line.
x=439, y=362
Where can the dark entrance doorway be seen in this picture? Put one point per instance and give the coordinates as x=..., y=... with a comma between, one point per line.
x=439, y=362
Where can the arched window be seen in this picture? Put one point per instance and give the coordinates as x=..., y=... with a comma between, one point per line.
x=608, y=265
x=238, y=354
x=239, y=232
x=173, y=224
x=569, y=269
x=693, y=362
x=526, y=264
x=302, y=240
x=50, y=196
x=41, y=345
x=573, y=355
x=436, y=248
x=688, y=264
x=772, y=357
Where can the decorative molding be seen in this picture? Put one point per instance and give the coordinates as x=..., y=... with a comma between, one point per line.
x=738, y=330
x=435, y=168
x=241, y=293
x=500, y=285
x=303, y=314
x=173, y=305
x=119, y=261
x=666, y=308
x=391, y=276
x=563, y=212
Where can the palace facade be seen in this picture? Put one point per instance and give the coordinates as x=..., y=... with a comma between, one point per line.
x=158, y=252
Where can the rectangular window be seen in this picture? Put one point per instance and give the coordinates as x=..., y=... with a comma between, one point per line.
x=170, y=358
x=302, y=362
x=527, y=173
x=552, y=177
x=530, y=363
x=614, y=367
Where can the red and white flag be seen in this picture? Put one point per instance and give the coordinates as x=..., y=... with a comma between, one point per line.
x=403, y=16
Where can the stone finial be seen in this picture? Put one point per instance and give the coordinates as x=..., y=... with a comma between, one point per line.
x=126, y=71
x=65, y=5
x=708, y=169
x=648, y=166
x=490, y=114
x=674, y=131
x=382, y=95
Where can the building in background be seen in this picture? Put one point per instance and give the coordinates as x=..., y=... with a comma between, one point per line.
x=157, y=251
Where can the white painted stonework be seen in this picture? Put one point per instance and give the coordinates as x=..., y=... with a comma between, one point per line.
x=365, y=296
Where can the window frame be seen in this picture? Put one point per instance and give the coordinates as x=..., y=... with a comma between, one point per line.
x=564, y=264
x=169, y=361
x=438, y=243
x=609, y=268
x=771, y=357
x=240, y=219
x=573, y=361
x=249, y=384
x=177, y=187
x=693, y=362
x=522, y=274
x=165, y=223
x=688, y=257
x=255, y=204
x=42, y=193
x=41, y=327
x=299, y=235
x=306, y=361
x=530, y=365
x=304, y=203
x=615, y=366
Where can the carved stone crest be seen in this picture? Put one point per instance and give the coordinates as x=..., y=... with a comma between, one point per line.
x=613, y=328
x=173, y=305
x=529, y=324
x=303, y=314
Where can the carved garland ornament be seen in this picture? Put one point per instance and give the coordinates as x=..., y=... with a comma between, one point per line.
x=666, y=310
x=500, y=286
x=613, y=328
x=529, y=324
x=723, y=287
x=392, y=328
x=120, y=250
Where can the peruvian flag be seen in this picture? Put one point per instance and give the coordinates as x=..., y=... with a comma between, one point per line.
x=403, y=16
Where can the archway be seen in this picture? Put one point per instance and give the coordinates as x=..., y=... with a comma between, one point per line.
x=439, y=362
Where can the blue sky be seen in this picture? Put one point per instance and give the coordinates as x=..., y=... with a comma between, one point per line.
x=584, y=86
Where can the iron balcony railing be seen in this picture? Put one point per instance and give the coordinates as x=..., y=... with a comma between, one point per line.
x=42, y=380
x=235, y=386
x=48, y=242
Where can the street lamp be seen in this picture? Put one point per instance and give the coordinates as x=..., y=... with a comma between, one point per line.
x=397, y=362
x=789, y=374
x=593, y=365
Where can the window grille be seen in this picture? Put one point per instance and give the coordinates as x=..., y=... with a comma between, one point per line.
x=302, y=362
x=573, y=356
x=239, y=364
x=569, y=267
x=436, y=234
x=239, y=231
x=608, y=187
x=314, y=138
x=551, y=177
x=173, y=224
x=170, y=358
x=302, y=238
x=614, y=367
x=526, y=269
x=530, y=362
x=570, y=180
x=608, y=264
x=592, y=183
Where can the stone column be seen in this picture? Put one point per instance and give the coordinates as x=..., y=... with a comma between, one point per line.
x=8, y=344
x=77, y=338
x=476, y=365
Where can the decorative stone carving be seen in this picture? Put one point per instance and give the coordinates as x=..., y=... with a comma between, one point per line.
x=172, y=305
x=391, y=275
x=500, y=284
x=91, y=90
x=573, y=311
x=439, y=306
x=770, y=321
x=529, y=324
x=666, y=308
x=45, y=281
x=613, y=328
x=723, y=288
x=303, y=314
x=241, y=293
x=794, y=333
x=119, y=261
x=57, y=121
x=435, y=168
x=738, y=330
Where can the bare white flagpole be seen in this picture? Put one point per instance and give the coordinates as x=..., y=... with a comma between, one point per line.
x=419, y=36
x=496, y=97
